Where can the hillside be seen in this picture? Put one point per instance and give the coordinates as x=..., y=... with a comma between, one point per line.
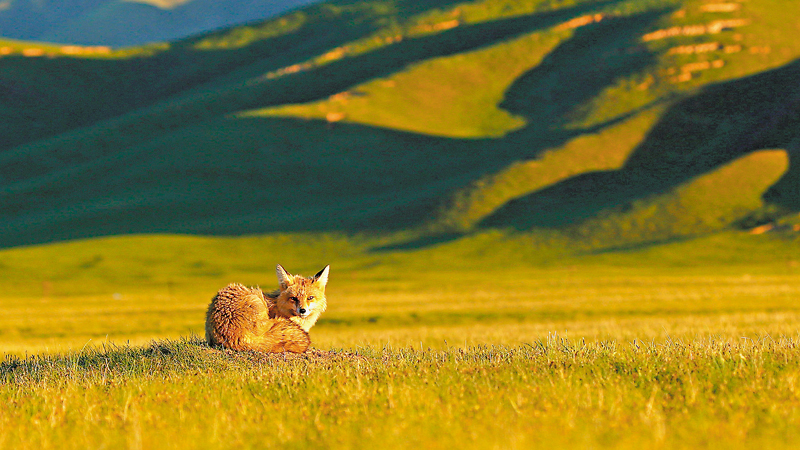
x=599, y=123
x=128, y=22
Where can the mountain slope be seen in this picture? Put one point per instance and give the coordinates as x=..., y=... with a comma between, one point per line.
x=417, y=119
x=46, y=89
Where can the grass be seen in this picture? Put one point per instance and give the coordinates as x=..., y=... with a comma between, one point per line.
x=479, y=342
x=739, y=393
x=688, y=210
x=428, y=97
x=488, y=288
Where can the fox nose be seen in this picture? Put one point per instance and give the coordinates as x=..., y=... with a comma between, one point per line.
x=302, y=311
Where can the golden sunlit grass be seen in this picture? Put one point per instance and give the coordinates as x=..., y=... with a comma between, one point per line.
x=686, y=345
x=553, y=392
x=486, y=289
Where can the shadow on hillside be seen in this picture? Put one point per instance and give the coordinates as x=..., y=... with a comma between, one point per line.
x=221, y=183
x=259, y=175
x=420, y=242
x=84, y=91
x=722, y=123
x=549, y=96
x=184, y=67
x=578, y=70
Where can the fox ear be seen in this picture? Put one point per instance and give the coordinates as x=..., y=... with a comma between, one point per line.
x=321, y=278
x=284, y=277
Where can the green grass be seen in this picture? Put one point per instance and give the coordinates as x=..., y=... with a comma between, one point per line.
x=737, y=393
x=429, y=97
x=488, y=288
x=706, y=204
x=478, y=342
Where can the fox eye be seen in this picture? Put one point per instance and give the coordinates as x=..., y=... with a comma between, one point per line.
x=294, y=299
x=310, y=297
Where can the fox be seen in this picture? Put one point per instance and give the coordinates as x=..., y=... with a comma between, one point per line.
x=245, y=318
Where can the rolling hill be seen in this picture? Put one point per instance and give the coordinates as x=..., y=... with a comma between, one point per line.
x=128, y=22
x=602, y=124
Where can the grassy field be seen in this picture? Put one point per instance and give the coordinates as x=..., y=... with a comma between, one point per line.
x=490, y=288
x=535, y=212
x=474, y=343
x=701, y=393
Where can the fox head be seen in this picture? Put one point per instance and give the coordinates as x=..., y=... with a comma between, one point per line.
x=301, y=297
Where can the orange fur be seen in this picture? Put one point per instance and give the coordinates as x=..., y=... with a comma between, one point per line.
x=244, y=318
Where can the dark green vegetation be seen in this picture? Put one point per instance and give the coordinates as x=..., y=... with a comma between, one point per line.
x=566, y=120
x=128, y=22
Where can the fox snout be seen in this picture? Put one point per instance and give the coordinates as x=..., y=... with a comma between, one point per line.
x=300, y=308
x=304, y=311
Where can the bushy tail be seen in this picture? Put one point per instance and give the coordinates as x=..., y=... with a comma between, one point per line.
x=281, y=336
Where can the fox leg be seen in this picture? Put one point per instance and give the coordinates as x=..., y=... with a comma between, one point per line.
x=281, y=335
